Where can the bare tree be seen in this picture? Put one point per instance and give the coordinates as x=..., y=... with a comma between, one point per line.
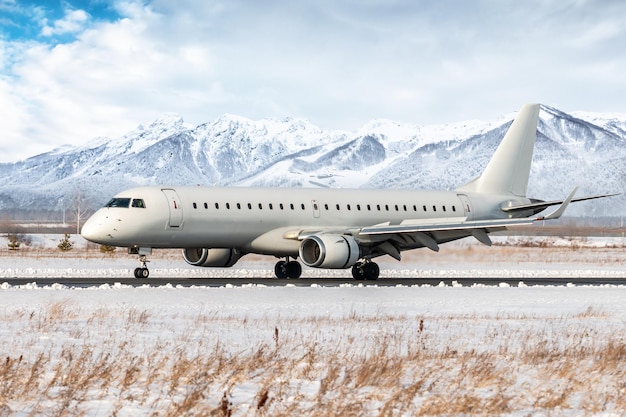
x=79, y=208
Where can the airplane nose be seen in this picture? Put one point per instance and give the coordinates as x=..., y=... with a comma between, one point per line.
x=91, y=230
x=87, y=230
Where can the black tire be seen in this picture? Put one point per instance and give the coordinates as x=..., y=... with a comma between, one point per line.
x=371, y=271
x=280, y=270
x=293, y=269
x=142, y=273
x=358, y=272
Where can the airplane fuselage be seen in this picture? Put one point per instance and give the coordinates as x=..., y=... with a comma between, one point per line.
x=259, y=220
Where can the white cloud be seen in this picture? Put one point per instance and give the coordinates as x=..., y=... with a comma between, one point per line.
x=338, y=64
x=74, y=21
x=598, y=34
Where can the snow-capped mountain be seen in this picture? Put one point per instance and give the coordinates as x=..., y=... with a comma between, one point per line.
x=580, y=149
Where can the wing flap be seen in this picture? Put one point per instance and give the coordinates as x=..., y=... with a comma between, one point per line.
x=444, y=226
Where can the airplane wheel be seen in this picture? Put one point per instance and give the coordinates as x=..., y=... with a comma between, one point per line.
x=365, y=271
x=294, y=269
x=142, y=272
x=280, y=270
x=357, y=271
x=371, y=271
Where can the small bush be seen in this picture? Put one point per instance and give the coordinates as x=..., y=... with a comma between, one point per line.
x=66, y=244
x=14, y=243
x=107, y=249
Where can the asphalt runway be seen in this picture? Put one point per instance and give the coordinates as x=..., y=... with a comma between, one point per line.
x=307, y=282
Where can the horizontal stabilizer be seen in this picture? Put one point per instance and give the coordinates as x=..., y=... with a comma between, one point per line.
x=539, y=206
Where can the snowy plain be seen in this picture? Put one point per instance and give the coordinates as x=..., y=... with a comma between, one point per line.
x=247, y=350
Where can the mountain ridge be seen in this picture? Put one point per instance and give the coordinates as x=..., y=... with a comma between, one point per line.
x=578, y=149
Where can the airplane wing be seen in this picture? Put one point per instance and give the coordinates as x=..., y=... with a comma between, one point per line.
x=391, y=239
x=460, y=224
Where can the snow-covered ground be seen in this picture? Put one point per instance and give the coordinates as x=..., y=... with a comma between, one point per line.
x=351, y=350
x=510, y=257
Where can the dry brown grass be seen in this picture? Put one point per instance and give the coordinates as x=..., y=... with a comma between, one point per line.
x=110, y=361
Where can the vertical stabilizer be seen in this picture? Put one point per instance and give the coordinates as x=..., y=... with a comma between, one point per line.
x=509, y=167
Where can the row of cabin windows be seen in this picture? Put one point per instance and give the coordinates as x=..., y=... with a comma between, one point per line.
x=379, y=207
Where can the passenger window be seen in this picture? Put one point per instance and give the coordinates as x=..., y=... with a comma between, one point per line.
x=271, y=206
x=228, y=206
x=291, y=206
x=453, y=208
x=119, y=202
x=434, y=208
x=348, y=207
x=194, y=205
x=217, y=206
x=206, y=206
x=281, y=206
x=444, y=208
x=138, y=202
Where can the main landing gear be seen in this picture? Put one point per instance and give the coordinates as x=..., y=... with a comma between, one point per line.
x=365, y=271
x=288, y=269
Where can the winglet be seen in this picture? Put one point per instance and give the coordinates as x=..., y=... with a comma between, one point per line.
x=559, y=211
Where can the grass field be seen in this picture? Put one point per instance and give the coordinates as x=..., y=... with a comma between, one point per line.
x=275, y=352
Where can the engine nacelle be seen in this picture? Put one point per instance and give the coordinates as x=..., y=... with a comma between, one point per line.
x=211, y=257
x=329, y=251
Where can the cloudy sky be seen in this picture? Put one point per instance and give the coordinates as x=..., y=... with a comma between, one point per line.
x=72, y=70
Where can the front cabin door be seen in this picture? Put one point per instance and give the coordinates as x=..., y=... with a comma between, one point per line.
x=175, y=206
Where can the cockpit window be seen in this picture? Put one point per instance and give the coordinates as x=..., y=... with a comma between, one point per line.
x=138, y=202
x=119, y=202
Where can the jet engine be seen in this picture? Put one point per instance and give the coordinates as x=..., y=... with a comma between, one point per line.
x=211, y=257
x=329, y=251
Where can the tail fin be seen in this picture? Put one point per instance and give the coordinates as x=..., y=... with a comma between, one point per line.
x=509, y=167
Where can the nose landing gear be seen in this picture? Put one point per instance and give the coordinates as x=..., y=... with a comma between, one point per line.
x=141, y=272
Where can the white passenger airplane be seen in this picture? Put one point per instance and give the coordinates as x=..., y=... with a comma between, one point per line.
x=325, y=228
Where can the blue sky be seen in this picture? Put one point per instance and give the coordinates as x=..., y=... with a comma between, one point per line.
x=71, y=71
